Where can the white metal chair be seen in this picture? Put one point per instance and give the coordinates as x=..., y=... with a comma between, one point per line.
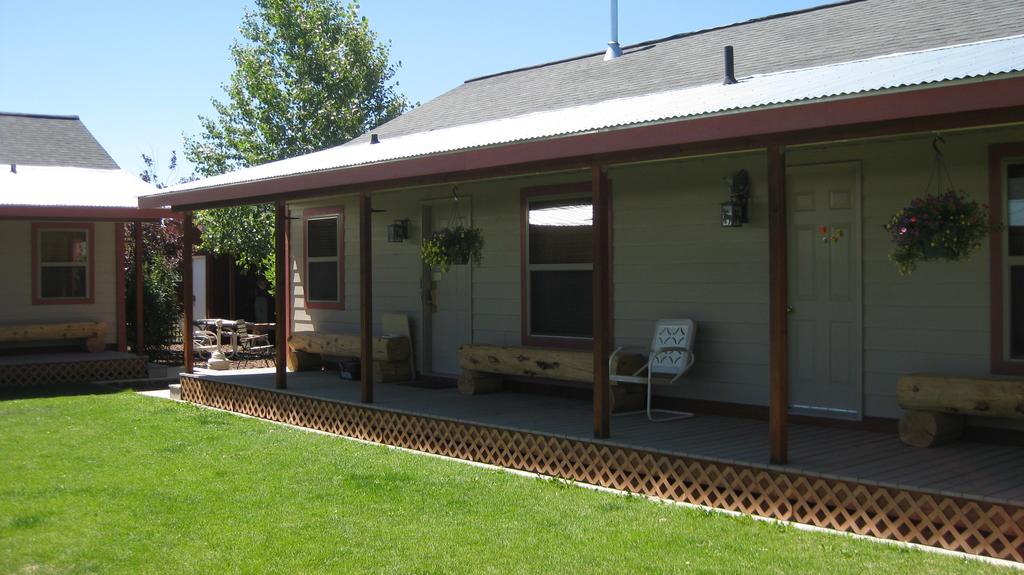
x=671, y=355
x=204, y=342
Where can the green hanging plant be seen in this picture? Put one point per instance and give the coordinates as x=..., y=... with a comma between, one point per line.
x=944, y=225
x=459, y=245
x=947, y=226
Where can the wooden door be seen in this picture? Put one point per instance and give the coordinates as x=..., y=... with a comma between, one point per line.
x=824, y=259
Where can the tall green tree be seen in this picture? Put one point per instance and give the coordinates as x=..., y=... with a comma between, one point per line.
x=309, y=75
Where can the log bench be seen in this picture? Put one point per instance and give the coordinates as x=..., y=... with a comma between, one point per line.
x=485, y=366
x=91, y=333
x=936, y=405
x=306, y=352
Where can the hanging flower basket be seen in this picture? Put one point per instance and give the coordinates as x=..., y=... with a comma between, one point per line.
x=947, y=226
x=459, y=245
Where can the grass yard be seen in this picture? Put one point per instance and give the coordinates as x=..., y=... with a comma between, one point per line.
x=119, y=483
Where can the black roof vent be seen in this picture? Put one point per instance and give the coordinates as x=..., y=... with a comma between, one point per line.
x=374, y=139
x=730, y=75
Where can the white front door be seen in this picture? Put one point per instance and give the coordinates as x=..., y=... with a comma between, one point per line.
x=198, y=287
x=449, y=299
x=824, y=260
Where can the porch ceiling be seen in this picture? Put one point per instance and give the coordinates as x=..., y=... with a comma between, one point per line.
x=759, y=105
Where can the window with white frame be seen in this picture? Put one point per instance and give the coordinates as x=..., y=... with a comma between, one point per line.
x=62, y=261
x=560, y=265
x=1013, y=288
x=323, y=259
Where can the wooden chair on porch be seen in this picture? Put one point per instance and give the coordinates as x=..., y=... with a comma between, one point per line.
x=671, y=356
x=250, y=346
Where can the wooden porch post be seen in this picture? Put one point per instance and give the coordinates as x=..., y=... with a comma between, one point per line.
x=778, y=323
x=280, y=279
x=365, y=297
x=601, y=304
x=120, y=283
x=140, y=344
x=286, y=290
x=186, y=288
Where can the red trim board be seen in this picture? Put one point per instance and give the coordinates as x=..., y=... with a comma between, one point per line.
x=90, y=263
x=997, y=153
x=306, y=216
x=832, y=118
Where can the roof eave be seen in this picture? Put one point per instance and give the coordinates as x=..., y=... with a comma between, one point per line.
x=762, y=124
x=86, y=213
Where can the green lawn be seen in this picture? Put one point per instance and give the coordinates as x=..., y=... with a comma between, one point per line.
x=119, y=483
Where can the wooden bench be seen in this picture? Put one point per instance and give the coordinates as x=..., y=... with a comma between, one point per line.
x=91, y=333
x=484, y=368
x=390, y=354
x=936, y=405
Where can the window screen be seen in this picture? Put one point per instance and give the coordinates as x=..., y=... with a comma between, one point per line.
x=63, y=263
x=560, y=267
x=1015, y=256
x=323, y=262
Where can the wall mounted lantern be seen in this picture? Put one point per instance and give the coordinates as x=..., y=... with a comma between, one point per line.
x=734, y=212
x=398, y=232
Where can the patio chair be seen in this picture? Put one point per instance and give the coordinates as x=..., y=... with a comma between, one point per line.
x=671, y=355
x=252, y=346
x=204, y=342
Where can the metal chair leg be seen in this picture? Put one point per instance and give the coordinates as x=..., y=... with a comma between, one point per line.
x=674, y=415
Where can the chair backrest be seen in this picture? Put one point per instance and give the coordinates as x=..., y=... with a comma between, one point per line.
x=672, y=333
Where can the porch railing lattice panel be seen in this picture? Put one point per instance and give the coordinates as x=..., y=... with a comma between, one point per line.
x=958, y=524
x=64, y=372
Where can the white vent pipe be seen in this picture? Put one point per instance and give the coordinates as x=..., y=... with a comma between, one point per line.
x=614, y=50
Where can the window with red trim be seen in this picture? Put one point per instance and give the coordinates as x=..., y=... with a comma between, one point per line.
x=62, y=263
x=324, y=258
x=558, y=265
x=1006, y=201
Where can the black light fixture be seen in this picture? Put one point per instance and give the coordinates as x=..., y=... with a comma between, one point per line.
x=398, y=232
x=734, y=212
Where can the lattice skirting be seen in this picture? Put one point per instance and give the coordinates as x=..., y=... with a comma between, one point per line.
x=958, y=524
x=72, y=371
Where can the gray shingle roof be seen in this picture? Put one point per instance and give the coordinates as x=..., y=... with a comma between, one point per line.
x=828, y=34
x=42, y=140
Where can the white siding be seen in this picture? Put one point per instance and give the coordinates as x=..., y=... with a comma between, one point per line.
x=16, y=281
x=937, y=319
x=397, y=270
x=673, y=259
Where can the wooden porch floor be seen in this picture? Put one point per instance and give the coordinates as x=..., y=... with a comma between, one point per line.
x=962, y=469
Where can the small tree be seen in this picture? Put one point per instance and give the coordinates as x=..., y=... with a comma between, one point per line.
x=309, y=75
x=163, y=257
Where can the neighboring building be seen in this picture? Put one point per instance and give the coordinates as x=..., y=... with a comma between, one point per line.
x=63, y=205
x=833, y=117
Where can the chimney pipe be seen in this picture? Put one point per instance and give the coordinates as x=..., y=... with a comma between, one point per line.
x=730, y=76
x=614, y=51
x=374, y=139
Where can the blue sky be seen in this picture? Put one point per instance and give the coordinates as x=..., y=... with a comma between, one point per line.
x=139, y=73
